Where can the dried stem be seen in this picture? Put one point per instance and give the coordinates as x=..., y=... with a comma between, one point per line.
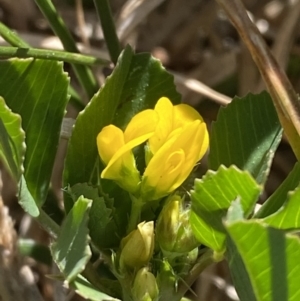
x=284, y=97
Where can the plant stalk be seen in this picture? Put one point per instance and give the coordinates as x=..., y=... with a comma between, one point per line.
x=48, y=224
x=202, y=263
x=135, y=214
x=83, y=73
x=108, y=27
x=11, y=37
x=53, y=55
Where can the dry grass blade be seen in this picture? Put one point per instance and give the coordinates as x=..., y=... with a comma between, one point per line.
x=284, y=96
x=202, y=89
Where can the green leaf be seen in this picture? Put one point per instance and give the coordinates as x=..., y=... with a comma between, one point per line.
x=146, y=81
x=246, y=134
x=235, y=211
x=279, y=197
x=37, y=91
x=12, y=140
x=91, y=193
x=108, y=218
x=26, y=200
x=239, y=274
x=86, y=290
x=102, y=225
x=271, y=258
x=288, y=216
x=211, y=198
x=12, y=152
x=71, y=251
x=136, y=83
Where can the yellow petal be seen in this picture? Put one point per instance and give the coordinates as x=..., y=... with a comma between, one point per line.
x=122, y=167
x=118, y=166
x=124, y=173
x=163, y=171
x=194, y=141
x=174, y=161
x=109, y=141
x=141, y=124
x=205, y=142
x=164, y=166
x=164, y=109
x=184, y=114
x=124, y=149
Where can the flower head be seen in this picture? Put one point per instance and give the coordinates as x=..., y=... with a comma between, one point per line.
x=177, y=139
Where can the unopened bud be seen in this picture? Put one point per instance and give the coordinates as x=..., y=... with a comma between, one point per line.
x=144, y=286
x=137, y=247
x=173, y=229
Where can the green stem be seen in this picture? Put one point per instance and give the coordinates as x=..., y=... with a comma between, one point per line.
x=202, y=263
x=83, y=73
x=11, y=37
x=135, y=214
x=108, y=27
x=126, y=290
x=53, y=55
x=48, y=224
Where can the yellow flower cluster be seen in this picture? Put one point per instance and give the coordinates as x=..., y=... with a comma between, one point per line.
x=177, y=139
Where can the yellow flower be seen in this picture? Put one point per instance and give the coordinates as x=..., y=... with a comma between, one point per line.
x=137, y=247
x=177, y=140
x=115, y=149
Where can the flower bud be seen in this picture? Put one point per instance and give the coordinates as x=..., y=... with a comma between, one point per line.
x=144, y=286
x=173, y=229
x=137, y=247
